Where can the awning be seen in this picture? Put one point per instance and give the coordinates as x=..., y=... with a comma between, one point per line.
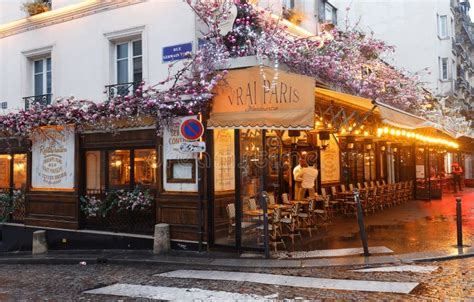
x=399, y=118
x=389, y=115
x=263, y=98
x=344, y=99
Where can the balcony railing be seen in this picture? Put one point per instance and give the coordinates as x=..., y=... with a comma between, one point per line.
x=43, y=99
x=121, y=89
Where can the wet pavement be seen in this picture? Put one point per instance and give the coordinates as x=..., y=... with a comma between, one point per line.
x=413, y=226
x=451, y=280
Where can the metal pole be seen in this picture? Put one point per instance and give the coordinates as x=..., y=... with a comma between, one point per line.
x=200, y=204
x=459, y=220
x=360, y=220
x=263, y=205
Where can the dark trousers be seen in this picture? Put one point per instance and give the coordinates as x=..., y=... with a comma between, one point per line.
x=457, y=182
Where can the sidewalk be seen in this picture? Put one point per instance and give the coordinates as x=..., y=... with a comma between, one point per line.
x=223, y=260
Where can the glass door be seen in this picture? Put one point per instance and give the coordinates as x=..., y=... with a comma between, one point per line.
x=252, y=179
x=423, y=184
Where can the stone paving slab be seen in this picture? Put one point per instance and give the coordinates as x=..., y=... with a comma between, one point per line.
x=293, y=281
x=172, y=293
x=332, y=253
x=401, y=268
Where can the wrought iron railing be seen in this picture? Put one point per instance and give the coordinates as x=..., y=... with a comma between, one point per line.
x=43, y=99
x=123, y=89
x=12, y=205
x=116, y=219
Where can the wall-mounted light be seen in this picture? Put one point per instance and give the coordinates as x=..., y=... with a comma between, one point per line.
x=350, y=142
x=324, y=137
x=368, y=144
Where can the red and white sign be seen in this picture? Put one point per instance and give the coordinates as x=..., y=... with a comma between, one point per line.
x=191, y=129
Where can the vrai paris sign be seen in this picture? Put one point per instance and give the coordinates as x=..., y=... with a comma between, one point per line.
x=263, y=98
x=53, y=152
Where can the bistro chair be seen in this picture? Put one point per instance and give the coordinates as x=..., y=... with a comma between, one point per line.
x=230, y=208
x=359, y=186
x=377, y=183
x=274, y=229
x=285, y=198
x=336, y=201
x=292, y=223
x=351, y=187
x=343, y=188
x=271, y=199
x=307, y=218
x=372, y=184
x=252, y=204
x=383, y=182
x=327, y=204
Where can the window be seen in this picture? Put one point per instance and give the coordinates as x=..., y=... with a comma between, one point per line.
x=444, y=62
x=289, y=4
x=145, y=167
x=42, y=76
x=120, y=169
x=5, y=160
x=330, y=13
x=19, y=171
x=443, y=26
x=129, y=62
x=15, y=163
x=4, y=105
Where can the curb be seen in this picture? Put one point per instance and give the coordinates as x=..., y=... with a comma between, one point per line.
x=233, y=263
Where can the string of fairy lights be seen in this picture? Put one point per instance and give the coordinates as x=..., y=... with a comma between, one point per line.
x=388, y=133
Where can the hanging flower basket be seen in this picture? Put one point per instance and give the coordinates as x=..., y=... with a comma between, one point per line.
x=36, y=7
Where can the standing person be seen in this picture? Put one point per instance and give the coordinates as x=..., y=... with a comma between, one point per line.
x=296, y=171
x=308, y=176
x=457, y=172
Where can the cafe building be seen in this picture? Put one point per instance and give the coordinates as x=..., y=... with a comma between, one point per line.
x=262, y=122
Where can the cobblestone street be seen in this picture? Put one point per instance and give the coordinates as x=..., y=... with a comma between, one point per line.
x=452, y=280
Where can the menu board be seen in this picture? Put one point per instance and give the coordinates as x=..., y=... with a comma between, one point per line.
x=224, y=160
x=330, y=164
x=180, y=168
x=53, y=151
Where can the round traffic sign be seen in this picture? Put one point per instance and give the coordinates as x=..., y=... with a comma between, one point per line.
x=191, y=129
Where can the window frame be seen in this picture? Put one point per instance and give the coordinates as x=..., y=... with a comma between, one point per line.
x=441, y=69
x=11, y=170
x=130, y=58
x=104, y=152
x=44, y=75
x=442, y=35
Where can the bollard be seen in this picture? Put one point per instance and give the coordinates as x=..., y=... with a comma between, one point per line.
x=39, y=245
x=459, y=220
x=360, y=220
x=161, y=242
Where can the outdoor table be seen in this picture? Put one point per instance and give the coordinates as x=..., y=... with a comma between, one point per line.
x=256, y=213
x=279, y=206
x=302, y=202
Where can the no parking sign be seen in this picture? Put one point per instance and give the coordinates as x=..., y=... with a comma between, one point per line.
x=191, y=129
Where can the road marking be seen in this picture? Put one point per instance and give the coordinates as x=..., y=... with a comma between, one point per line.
x=171, y=293
x=401, y=268
x=307, y=282
x=332, y=253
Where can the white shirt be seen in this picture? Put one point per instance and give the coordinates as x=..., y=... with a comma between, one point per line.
x=308, y=176
x=296, y=171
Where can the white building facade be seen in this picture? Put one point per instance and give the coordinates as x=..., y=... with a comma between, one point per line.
x=80, y=47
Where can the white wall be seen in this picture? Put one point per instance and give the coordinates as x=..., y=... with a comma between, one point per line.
x=411, y=26
x=81, y=54
x=10, y=10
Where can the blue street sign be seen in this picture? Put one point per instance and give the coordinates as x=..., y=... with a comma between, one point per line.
x=176, y=52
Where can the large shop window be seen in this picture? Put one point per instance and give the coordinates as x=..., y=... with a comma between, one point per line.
x=15, y=163
x=125, y=168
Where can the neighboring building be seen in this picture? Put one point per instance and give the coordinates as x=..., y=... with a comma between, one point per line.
x=465, y=56
x=421, y=31
x=310, y=14
x=80, y=48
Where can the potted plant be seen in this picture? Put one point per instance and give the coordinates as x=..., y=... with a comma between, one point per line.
x=35, y=7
